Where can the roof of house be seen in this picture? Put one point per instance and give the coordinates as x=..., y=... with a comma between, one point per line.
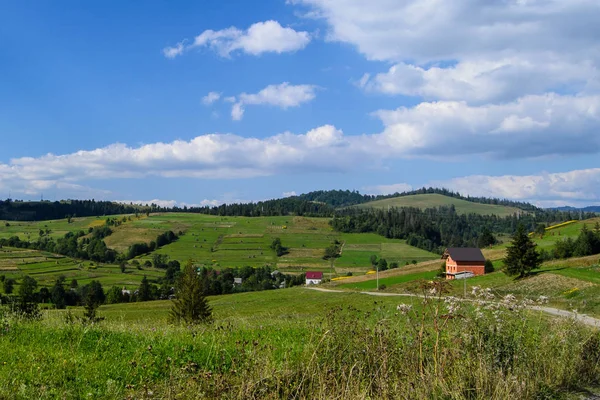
x=464, y=254
x=314, y=275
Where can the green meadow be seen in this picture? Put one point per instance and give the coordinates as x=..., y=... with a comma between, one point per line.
x=438, y=200
x=298, y=344
x=222, y=242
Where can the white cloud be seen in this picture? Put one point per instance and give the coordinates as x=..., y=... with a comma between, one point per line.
x=172, y=52
x=289, y=194
x=283, y=96
x=210, y=98
x=237, y=111
x=481, y=81
x=388, y=189
x=171, y=203
x=433, y=30
x=532, y=126
x=261, y=37
x=471, y=50
x=576, y=188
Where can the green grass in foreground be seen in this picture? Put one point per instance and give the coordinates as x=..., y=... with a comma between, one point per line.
x=298, y=343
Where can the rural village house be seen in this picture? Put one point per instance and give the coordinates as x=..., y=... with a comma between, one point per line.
x=463, y=262
x=314, y=278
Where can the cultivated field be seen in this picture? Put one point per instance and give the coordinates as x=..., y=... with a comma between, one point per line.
x=239, y=241
x=437, y=200
x=47, y=267
x=30, y=231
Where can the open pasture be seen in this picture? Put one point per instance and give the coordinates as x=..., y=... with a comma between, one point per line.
x=46, y=268
x=437, y=200
x=239, y=241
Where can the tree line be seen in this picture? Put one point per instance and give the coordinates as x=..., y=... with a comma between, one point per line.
x=320, y=203
x=81, y=246
x=435, y=229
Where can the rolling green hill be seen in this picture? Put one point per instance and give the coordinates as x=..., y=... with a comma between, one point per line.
x=218, y=242
x=436, y=200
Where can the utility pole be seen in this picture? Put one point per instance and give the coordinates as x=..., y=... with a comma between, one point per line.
x=377, y=269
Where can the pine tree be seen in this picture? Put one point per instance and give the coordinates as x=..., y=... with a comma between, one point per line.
x=190, y=305
x=521, y=255
x=144, y=290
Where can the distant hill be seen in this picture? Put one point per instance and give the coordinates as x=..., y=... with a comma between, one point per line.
x=594, y=209
x=436, y=200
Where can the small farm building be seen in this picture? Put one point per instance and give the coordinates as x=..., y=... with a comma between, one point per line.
x=461, y=262
x=314, y=278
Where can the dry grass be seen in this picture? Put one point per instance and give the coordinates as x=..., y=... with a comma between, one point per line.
x=123, y=237
x=494, y=254
x=304, y=223
x=575, y=262
x=548, y=284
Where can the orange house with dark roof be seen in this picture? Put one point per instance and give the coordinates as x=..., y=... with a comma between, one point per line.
x=461, y=260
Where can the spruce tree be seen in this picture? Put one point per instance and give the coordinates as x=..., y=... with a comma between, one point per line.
x=144, y=290
x=521, y=255
x=190, y=305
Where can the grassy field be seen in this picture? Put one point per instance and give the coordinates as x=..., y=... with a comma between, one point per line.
x=238, y=241
x=297, y=343
x=437, y=200
x=30, y=231
x=47, y=267
x=218, y=242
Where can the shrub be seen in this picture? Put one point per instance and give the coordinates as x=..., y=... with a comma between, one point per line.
x=488, y=266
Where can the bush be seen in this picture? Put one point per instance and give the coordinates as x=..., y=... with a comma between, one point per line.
x=488, y=266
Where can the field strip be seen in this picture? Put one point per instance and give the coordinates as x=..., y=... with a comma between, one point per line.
x=584, y=319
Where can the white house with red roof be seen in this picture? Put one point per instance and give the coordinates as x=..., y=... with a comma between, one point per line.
x=314, y=278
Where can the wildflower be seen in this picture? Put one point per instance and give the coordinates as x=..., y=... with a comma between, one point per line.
x=404, y=308
x=452, y=303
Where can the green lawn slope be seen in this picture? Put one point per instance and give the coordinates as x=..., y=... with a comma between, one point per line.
x=437, y=200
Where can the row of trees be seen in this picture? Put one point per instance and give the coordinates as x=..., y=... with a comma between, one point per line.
x=586, y=244
x=88, y=248
x=46, y=210
x=316, y=203
x=75, y=245
x=522, y=255
x=139, y=249
x=435, y=229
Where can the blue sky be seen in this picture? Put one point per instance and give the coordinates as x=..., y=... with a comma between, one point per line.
x=209, y=102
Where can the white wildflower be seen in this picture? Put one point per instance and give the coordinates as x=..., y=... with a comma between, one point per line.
x=404, y=308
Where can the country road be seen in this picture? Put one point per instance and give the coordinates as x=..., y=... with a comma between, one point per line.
x=584, y=319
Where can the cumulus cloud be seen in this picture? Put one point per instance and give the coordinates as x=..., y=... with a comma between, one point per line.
x=576, y=188
x=210, y=98
x=429, y=31
x=261, y=37
x=171, y=203
x=289, y=194
x=283, y=96
x=481, y=81
x=475, y=51
x=532, y=126
x=388, y=189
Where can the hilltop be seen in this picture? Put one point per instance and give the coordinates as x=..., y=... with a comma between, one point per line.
x=424, y=201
